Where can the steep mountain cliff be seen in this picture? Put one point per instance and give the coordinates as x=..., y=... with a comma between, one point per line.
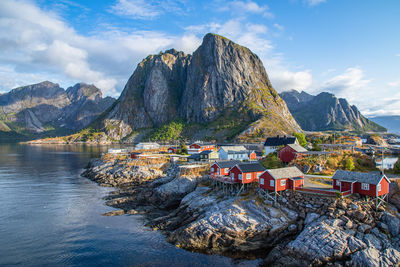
x=220, y=91
x=46, y=108
x=327, y=112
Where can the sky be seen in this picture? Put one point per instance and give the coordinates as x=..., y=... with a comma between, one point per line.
x=349, y=48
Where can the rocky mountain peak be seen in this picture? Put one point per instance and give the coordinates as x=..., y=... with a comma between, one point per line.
x=326, y=112
x=221, y=76
x=83, y=91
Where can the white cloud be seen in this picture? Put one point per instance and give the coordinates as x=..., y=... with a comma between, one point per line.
x=279, y=27
x=245, y=7
x=147, y=9
x=314, y=2
x=138, y=9
x=38, y=42
x=284, y=80
x=349, y=85
x=394, y=84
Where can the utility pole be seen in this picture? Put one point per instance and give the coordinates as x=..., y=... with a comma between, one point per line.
x=383, y=172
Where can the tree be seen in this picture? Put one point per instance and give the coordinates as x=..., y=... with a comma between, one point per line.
x=316, y=144
x=271, y=161
x=301, y=138
x=183, y=148
x=349, y=164
x=396, y=167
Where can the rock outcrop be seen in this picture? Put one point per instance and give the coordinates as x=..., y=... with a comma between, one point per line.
x=326, y=112
x=298, y=230
x=46, y=108
x=220, y=81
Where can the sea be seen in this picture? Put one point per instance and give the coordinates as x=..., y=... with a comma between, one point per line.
x=51, y=216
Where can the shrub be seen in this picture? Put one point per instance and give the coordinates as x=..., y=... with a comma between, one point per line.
x=301, y=138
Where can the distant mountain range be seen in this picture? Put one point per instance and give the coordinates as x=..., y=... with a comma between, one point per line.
x=327, y=112
x=46, y=109
x=392, y=123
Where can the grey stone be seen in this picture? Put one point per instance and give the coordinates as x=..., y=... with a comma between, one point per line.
x=311, y=217
x=392, y=222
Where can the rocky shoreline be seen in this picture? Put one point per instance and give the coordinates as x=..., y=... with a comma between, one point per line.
x=298, y=230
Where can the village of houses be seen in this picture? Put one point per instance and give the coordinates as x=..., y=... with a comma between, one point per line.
x=235, y=168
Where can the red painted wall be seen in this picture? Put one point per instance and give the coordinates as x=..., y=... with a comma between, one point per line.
x=236, y=171
x=334, y=186
x=221, y=171
x=172, y=150
x=279, y=187
x=194, y=146
x=346, y=186
x=358, y=189
x=287, y=154
x=267, y=178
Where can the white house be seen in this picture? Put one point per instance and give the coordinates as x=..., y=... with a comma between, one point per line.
x=147, y=145
x=117, y=150
x=233, y=152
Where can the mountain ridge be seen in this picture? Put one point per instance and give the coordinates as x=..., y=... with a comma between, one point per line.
x=45, y=109
x=325, y=111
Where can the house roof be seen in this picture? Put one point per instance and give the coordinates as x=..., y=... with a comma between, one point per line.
x=238, y=152
x=251, y=167
x=288, y=172
x=194, y=156
x=203, y=144
x=148, y=144
x=227, y=163
x=233, y=148
x=362, y=177
x=206, y=152
x=297, y=147
x=280, y=140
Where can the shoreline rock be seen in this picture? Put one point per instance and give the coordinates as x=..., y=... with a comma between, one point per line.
x=297, y=230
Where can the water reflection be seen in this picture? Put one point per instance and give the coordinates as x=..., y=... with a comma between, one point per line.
x=49, y=215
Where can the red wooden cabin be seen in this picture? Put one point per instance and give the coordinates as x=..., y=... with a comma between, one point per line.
x=373, y=184
x=221, y=168
x=172, y=150
x=289, y=152
x=200, y=147
x=134, y=155
x=246, y=172
x=281, y=179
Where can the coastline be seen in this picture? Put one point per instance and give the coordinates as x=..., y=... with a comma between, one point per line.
x=299, y=229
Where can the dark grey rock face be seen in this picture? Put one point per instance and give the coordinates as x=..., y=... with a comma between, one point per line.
x=326, y=112
x=46, y=106
x=220, y=75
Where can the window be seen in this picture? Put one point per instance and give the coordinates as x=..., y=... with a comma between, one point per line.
x=379, y=187
x=248, y=176
x=262, y=181
x=364, y=186
x=283, y=182
x=337, y=182
x=271, y=183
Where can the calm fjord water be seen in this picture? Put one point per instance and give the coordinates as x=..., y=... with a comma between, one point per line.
x=51, y=216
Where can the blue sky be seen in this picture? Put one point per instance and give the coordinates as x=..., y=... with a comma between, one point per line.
x=349, y=48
